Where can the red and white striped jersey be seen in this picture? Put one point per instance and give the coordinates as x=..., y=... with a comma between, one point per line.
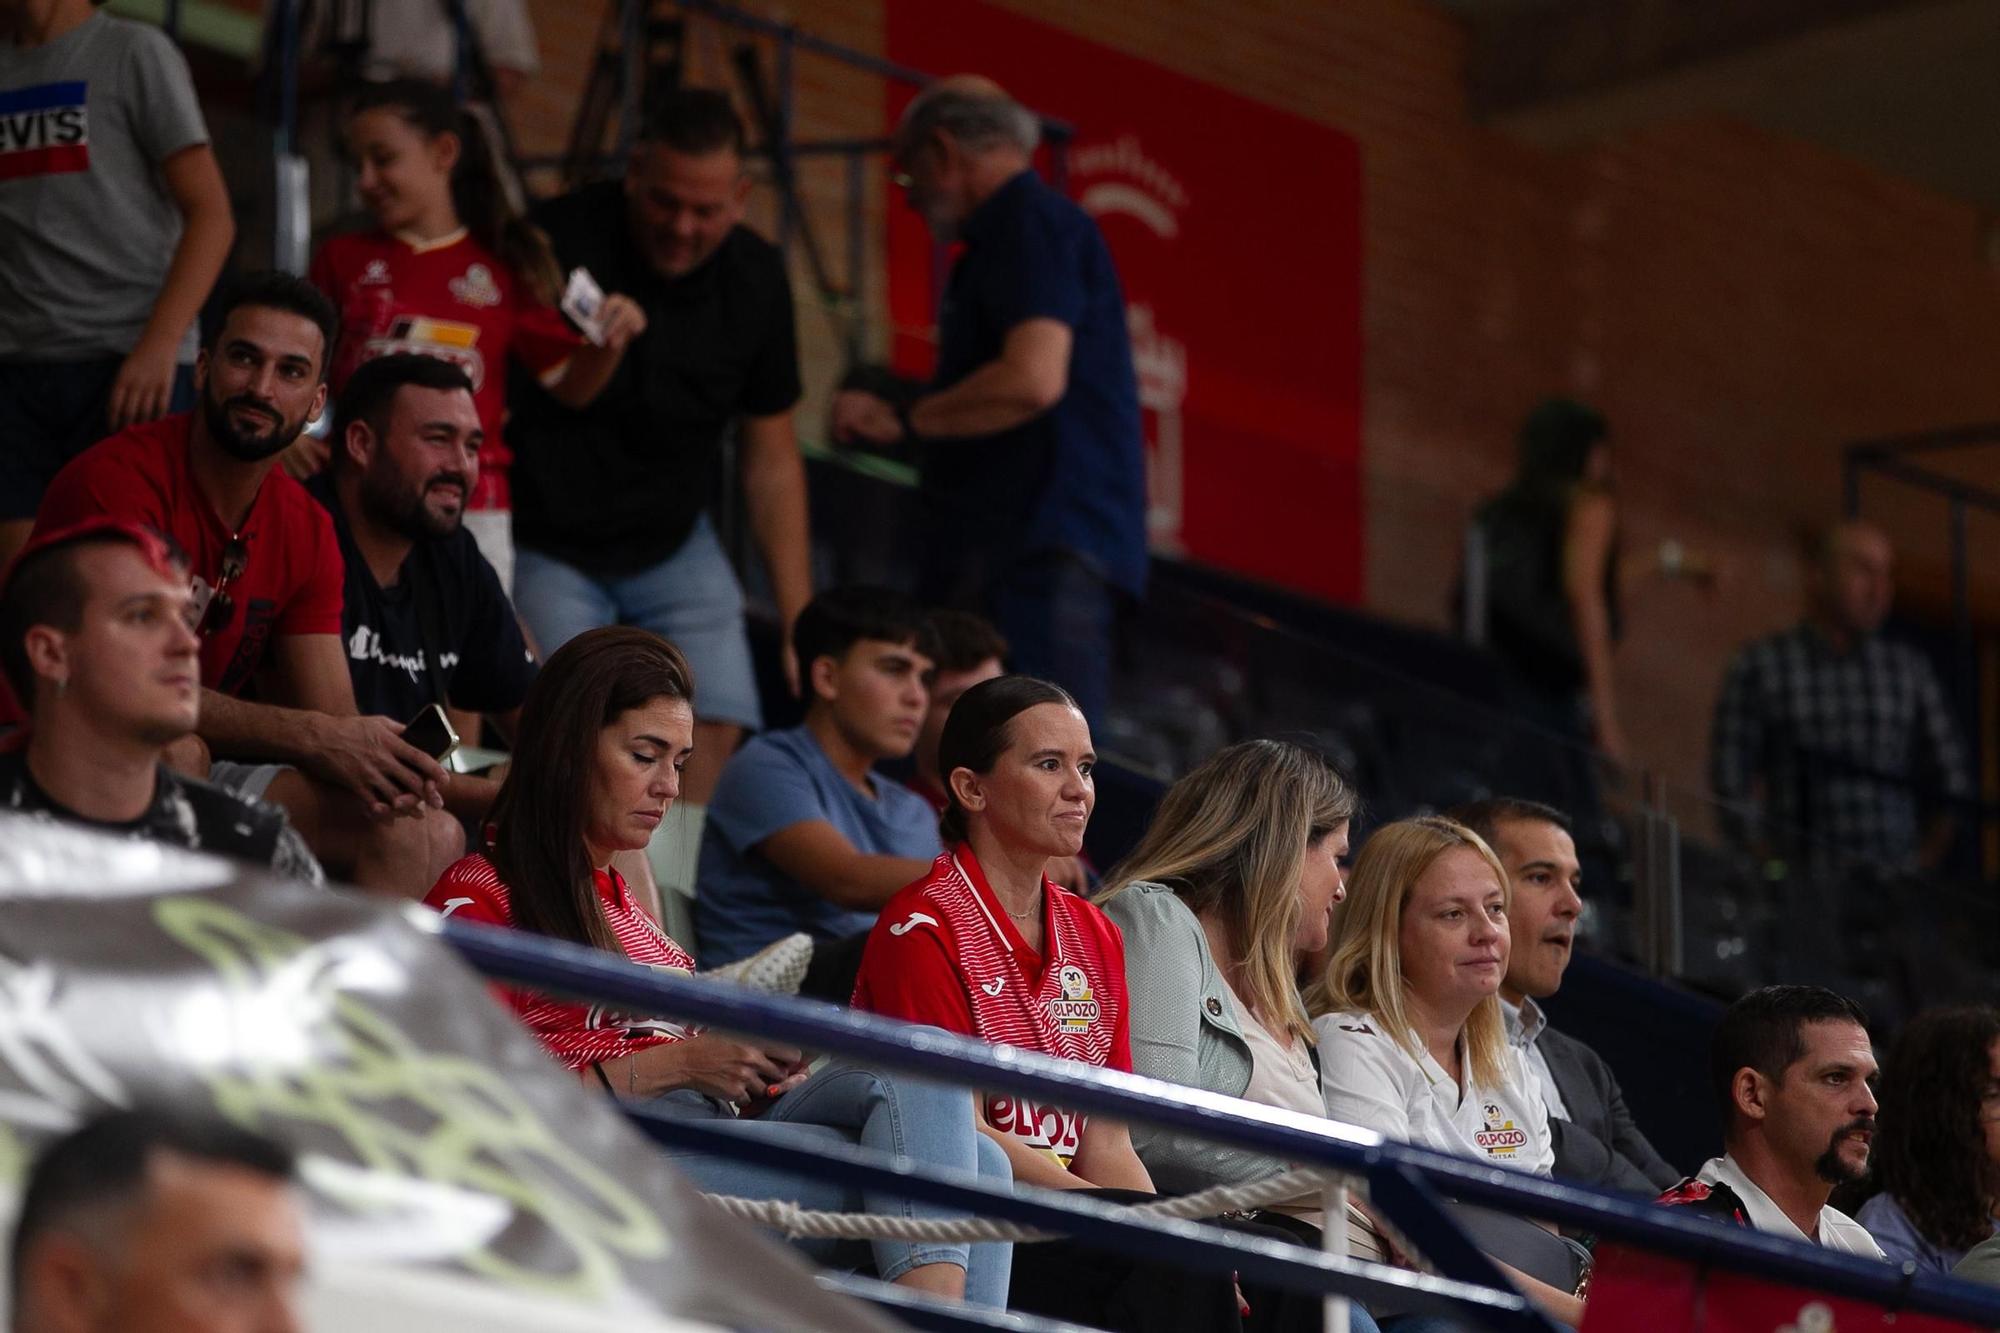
x=576, y=1034
x=943, y=952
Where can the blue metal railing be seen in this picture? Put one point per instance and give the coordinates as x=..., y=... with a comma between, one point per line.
x=1109, y=1226
x=1401, y=1178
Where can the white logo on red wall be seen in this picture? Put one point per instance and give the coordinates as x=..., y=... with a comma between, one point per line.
x=1118, y=179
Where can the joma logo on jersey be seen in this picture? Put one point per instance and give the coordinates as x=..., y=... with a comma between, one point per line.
x=44, y=130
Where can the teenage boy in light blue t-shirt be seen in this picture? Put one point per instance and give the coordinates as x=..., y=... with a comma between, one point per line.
x=802, y=833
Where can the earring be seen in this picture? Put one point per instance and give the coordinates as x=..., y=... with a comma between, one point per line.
x=62, y=684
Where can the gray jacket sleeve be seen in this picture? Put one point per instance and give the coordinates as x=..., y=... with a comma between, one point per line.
x=1602, y=1145
x=1166, y=959
x=1635, y=1150
x=1981, y=1263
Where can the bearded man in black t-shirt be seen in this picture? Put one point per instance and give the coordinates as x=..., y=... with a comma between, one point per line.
x=96, y=642
x=610, y=500
x=423, y=617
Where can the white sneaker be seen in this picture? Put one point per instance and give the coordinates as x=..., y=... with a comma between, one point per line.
x=777, y=968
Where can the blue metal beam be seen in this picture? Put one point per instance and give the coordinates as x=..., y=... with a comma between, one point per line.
x=574, y=970
x=846, y=55
x=922, y=1312
x=1108, y=1225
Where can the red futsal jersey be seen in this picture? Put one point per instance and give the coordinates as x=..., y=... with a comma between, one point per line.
x=292, y=572
x=944, y=952
x=451, y=298
x=576, y=1034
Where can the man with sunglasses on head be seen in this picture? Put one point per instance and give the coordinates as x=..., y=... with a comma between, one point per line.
x=94, y=636
x=278, y=709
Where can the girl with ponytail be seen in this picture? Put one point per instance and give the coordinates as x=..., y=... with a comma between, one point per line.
x=449, y=269
x=987, y=945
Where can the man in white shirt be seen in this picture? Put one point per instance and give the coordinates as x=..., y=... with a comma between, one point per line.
x=1596, y=1140
x=1792, y=1067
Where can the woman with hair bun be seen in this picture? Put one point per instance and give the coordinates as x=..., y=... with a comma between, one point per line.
x=989, y=946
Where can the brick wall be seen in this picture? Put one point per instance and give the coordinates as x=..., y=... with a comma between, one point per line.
x=1739, y=304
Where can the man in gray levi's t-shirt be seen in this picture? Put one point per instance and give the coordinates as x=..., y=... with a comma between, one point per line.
x=114, y=222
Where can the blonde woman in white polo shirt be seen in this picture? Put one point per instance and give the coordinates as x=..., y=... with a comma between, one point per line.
x=1411, y=1039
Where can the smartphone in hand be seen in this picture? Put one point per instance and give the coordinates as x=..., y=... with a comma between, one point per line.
x=431, y=732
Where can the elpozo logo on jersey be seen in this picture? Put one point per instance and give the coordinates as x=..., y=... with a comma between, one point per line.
x=1078, y=1008
x=44, y=130
x=1501, y=1138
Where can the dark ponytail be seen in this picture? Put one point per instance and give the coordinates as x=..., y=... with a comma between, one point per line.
x=477, y=193
x=977, y=733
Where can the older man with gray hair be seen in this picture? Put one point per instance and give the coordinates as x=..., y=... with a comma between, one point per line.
x=1032, y=460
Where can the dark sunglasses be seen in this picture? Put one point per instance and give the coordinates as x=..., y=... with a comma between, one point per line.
x=221, y=608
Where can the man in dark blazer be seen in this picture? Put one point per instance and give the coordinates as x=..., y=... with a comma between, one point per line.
x=1596, y=1141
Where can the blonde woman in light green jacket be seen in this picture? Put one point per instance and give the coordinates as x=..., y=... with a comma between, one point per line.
x=1236, y=879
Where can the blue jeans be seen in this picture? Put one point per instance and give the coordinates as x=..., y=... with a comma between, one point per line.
x=691, y=599
x=1059, y=616
x=928, y=1123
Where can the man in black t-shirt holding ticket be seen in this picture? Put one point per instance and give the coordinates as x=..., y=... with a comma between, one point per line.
x=423, y=618
x=610, y=501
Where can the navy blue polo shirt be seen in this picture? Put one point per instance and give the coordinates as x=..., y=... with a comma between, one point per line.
x=1074, y=478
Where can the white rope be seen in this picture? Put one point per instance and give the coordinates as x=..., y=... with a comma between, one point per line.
x=802, y=1224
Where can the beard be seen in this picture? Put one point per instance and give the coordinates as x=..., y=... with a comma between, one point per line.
x=408, y=514
x=1831, y=1166
x=242, y=445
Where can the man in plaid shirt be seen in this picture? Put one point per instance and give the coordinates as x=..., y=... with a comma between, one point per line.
x=1830, y=732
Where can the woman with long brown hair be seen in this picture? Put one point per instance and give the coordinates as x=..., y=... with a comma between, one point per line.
x=1936, y=1158
x=604, y=733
